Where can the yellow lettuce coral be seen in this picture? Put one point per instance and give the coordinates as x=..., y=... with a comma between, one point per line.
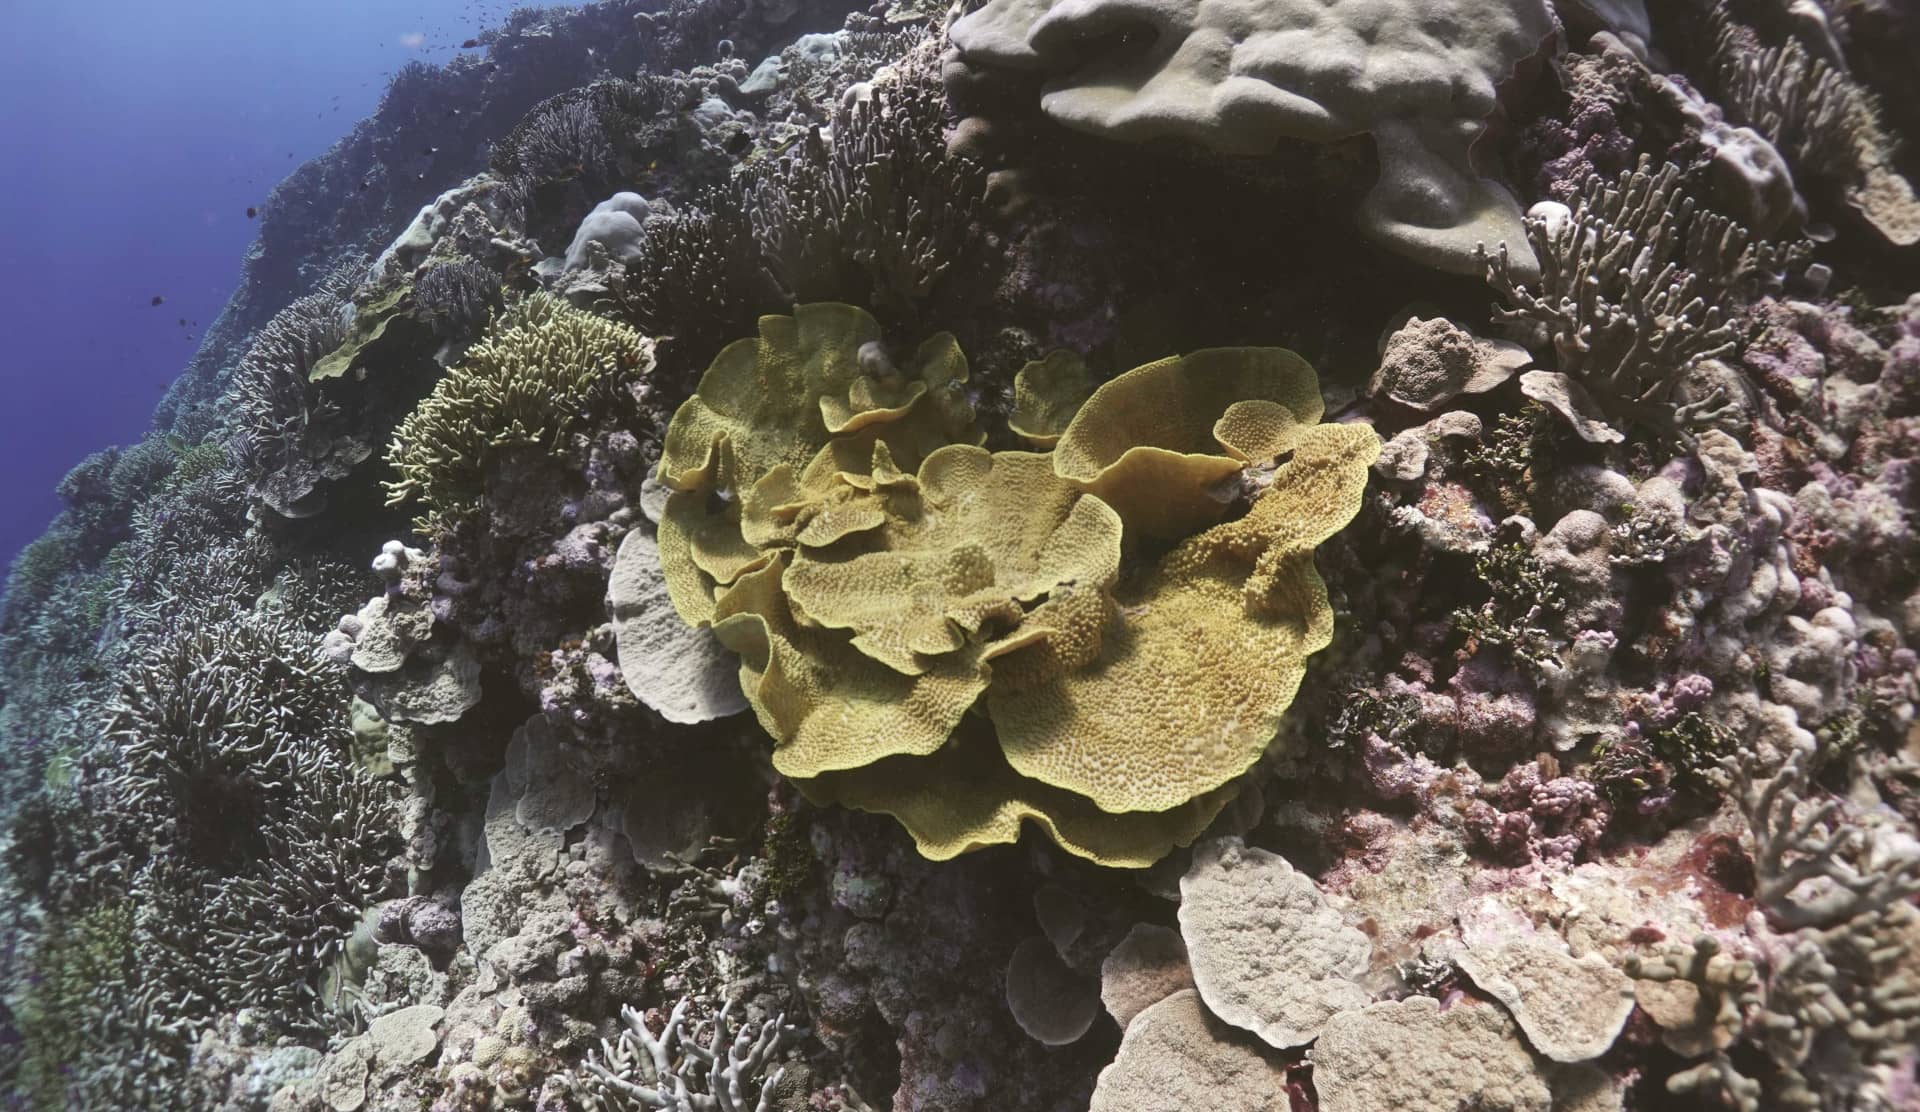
x=956, y=637
x=768, y=406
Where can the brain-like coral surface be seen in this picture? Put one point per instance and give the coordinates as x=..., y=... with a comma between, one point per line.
x=967, y=639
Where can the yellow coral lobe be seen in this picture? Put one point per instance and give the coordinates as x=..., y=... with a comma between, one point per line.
x=988, y=530
x=1257, y=432
x=777, y=401
x=782, y=395
x=1145, y=441
x=1191, y=682
x=1046, y=395
x=828, y=706
x=966, y=797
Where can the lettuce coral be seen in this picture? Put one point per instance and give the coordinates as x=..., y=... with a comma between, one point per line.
x=968, y=639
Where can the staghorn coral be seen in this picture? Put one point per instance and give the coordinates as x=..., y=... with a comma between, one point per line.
x=562, y=139
x=676, y=1071
x=1819, y=116
x=524, y=385
x=878, y=212
x=1815, y=868
x=214, y=718
x=92, y=1033
x=457, y=297
x=279, y=924
x=293, y=435
x=1638, y=285
x=835, y=522
x=872, y=208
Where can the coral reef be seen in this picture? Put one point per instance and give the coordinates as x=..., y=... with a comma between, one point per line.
x=1234, y=614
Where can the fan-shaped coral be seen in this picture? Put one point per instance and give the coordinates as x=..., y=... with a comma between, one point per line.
x=968, y=639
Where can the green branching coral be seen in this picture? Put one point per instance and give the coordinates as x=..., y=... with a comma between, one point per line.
x=967, y=639
x=525, y=383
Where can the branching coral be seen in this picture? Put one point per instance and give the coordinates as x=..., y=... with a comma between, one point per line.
x=562, y=139
x=881, y=199
x=728, y=1072
x=281, y=922
x=212, y=722
x=1815, y=868
x=1638, y=285
x=293, y=434
x=1801, y=104
x=874, y=209
x=1832, y=997
x=94, y=1038
x=1819, y=117
x=457, y=297
x=524, y=385
x=835, y=521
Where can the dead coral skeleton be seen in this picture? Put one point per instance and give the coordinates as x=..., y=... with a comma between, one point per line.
x=676, y=1071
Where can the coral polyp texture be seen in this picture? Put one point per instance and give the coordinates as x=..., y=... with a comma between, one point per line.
x=1047, y=555
x=885, y=579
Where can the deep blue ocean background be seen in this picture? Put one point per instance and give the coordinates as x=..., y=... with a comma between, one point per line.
x=133, y=138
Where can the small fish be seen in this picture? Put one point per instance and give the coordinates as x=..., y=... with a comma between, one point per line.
x=470, y=44
x=252, y=212
x=183, y=322
x=158, y=300
x=432, y=151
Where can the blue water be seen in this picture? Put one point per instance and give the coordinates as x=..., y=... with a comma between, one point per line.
x=133, y=138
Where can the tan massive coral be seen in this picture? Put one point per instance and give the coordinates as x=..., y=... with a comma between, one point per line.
x=1238, y=76
x=958, y=637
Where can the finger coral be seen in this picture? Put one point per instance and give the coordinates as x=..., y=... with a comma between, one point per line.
x=1638, y=286
x=967, y=639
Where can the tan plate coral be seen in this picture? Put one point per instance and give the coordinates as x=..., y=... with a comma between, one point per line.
x=967, y=639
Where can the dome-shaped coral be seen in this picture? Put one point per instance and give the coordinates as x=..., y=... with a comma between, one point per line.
x=968, y=639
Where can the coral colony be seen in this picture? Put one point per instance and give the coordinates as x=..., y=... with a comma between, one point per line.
x=1053, y=554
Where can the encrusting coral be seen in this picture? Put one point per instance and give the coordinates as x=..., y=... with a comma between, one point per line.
x=835, y=521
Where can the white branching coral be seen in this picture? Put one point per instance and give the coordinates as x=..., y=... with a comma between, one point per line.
x=677, y=1071
x=1816, y=867
x=1833, y=999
